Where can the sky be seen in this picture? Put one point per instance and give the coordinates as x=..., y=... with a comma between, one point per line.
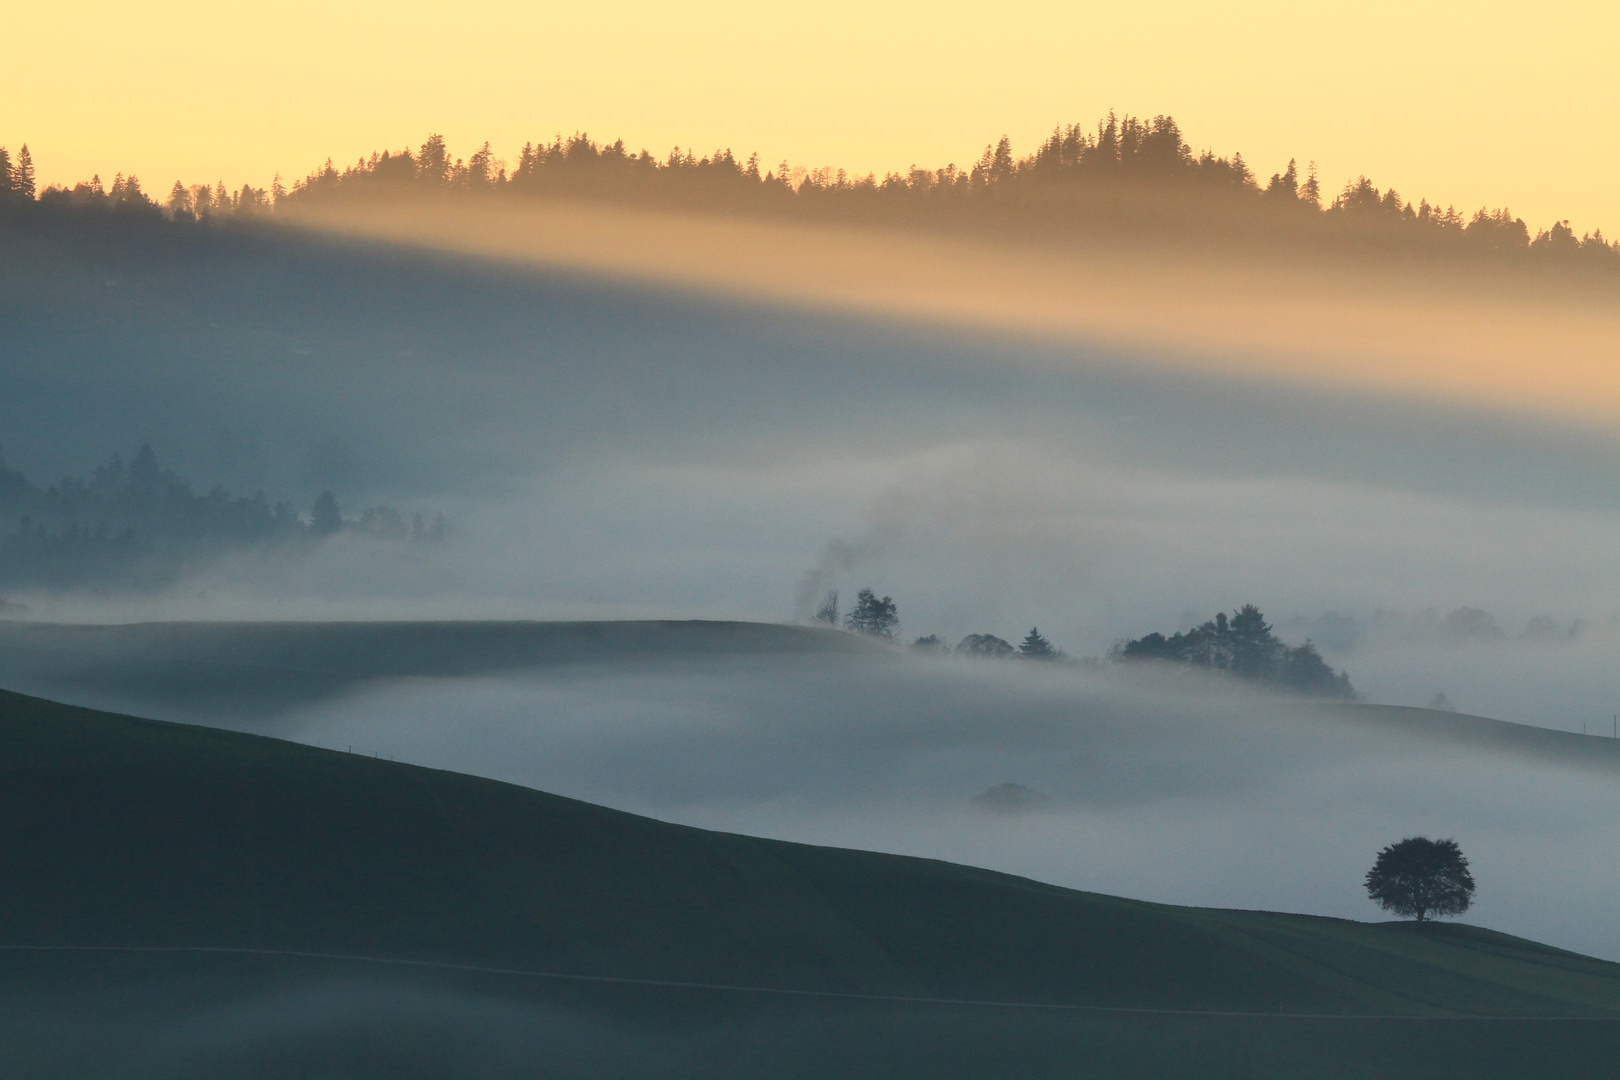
x=1464, y=103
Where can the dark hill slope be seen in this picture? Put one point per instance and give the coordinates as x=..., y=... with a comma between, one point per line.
x=127, y=832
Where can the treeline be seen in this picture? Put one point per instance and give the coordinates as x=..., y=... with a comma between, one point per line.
x=139, y=525
x=18, y=186
x=1125, y=176
x=1243, y=646
x=1127, y=173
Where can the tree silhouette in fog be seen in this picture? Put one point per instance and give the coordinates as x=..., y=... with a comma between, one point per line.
x=325, y=518
x=985, y=645
x=137, y=524
x=873, y=615
x=1419, y=877
x=828, y=611
x=1124, y=176
x=1245, y=646
x=22, y=174
x=1036, y=647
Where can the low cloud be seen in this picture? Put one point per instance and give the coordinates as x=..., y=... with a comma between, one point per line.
x=1189, y=791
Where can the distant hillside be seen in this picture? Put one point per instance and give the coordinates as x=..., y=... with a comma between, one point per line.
x=139, y=525
x=1125, y=176
x=131, y=833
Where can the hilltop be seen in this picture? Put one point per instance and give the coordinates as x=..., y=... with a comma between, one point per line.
x=127, y=832
x=1125, y=177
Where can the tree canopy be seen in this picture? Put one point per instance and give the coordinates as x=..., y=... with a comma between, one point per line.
x=1124, y=175
x=138, y=524
x=872, y=615
x=1245, y=646
x=1419, y=877
x=987, y=645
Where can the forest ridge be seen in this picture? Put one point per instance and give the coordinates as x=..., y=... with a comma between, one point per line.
x=1124, y=177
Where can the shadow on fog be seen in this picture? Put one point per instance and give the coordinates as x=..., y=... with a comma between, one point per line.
x=406, y=372
x=611, y=449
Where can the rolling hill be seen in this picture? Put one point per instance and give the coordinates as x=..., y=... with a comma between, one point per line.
x=221, y=904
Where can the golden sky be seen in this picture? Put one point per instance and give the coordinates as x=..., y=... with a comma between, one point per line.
x=1465, y=103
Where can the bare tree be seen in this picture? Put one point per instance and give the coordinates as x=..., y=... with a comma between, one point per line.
x=828, y=611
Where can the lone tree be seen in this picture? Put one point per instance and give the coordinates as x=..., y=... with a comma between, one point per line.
x=1419, y=877
x=873, y=616
x=828, y=611
x=1036, y=647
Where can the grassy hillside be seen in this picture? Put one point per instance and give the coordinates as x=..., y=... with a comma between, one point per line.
x=127, y=832
x=1592, y=752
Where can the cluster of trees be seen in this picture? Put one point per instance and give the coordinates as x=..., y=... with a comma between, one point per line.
x=1035, y=646
x=197, y=202
x=137, y=524
x=1125, y=175
x=879, y=617
x=16, y=177
x=1245, y=646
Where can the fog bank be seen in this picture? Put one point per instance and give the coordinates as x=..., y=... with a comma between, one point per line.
x=1188, y=792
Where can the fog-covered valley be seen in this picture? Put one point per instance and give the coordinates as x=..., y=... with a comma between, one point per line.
x=1191, y=794
x=1127, y=780
x=607, y=449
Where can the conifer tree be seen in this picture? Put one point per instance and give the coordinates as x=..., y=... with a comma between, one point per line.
x=22, y=174
x=1036, y=647
x=1311, y=190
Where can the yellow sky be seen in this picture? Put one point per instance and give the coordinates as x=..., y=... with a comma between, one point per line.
x=1470, y=103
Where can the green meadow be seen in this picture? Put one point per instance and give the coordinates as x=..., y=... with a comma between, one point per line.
x=325, y=913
